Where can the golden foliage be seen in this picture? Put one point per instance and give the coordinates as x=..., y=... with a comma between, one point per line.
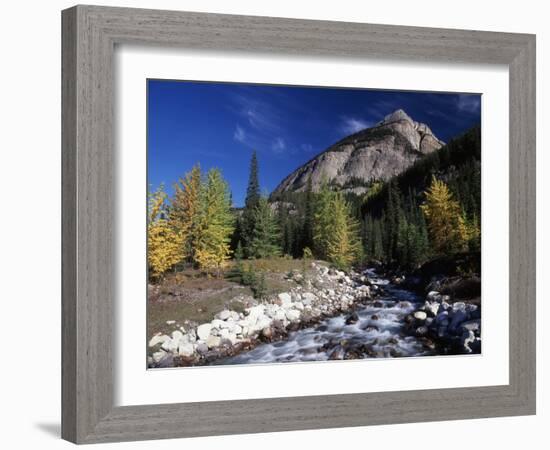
x=163, y=241
x=446, y=224
x=336, y=232
x=185, y=209
x=215, y=224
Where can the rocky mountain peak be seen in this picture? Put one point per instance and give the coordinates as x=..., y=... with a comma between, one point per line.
x=401, y=116
x=395, y=116
x=373, y=154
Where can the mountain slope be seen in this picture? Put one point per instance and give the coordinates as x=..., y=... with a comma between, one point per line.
x=376, y=153
x=458, y=164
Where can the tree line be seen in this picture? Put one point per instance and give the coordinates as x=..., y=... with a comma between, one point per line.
x=193, y=227
x=432, y=208
x=199, y=227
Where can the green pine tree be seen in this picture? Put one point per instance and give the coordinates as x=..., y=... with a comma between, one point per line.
x=265, y=239
x=377, y=243
x=236, y=274
x=251, y=201
x=309, y=210
x=322, y=223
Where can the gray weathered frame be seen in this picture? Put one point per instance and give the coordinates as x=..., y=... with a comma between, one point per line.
x=89, y=36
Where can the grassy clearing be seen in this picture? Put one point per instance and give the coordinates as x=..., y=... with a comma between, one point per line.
x=193, y=296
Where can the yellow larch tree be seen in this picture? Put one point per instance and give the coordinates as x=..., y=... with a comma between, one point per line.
x=335, y=231
x=184, y=212
x=164, y=242
x=344, y=245
x=446, y=225
x=215, y=224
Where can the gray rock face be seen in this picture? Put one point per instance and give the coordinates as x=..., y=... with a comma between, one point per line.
x=376, y=153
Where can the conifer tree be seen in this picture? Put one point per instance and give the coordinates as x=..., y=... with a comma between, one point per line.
x=164, y=242
x=309, y=210
x=251, y=201
x=393, y=215
x=237, y=271
x=343, y=245
x=184, y=213
x=336, y=232
x=403, y=242
x=285, y=228
x=377, y=244
x=259, y=286
x=265, y=239
x=474, y=234
x=215, y=224
x=322, y=223
x=446, y=225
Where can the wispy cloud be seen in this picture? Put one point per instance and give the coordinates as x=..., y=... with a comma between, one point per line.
x=308, y=148
x=262, y=120
x=258, y=113
x=352, y=125
x=239, y=135
x=278, y=145
x=468, y=103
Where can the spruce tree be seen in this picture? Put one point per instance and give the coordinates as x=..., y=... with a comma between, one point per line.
x=251, y=201
x=402, y=243
x=322, y=222
x=392, y=216
x=237, y=272
x=309, y=210
x=377, y=243
x=265, y=239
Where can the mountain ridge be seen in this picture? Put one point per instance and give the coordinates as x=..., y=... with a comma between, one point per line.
x=373, y=154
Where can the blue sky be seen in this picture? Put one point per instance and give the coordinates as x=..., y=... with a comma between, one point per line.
x=219, y=124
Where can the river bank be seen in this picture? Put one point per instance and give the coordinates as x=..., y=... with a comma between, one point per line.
x=325, y=293
x=331, y=315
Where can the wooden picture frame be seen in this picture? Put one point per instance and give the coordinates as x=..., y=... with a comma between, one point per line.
x=90, y=34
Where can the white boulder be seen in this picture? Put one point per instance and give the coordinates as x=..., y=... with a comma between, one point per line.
x=170, y=345
x=226, y=334
x=213, y=341
x=420, y=315
x=293, y=315
x=224, y=315
x=186, y=349
x=255, y=312
x=158, y=339
x=432, y=307
x=203, y=331
x=308, y=298
x=285, y=299
x=177, y=335
x=217, y=323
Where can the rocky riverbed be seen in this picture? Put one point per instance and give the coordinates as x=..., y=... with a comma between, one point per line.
x=330, y=316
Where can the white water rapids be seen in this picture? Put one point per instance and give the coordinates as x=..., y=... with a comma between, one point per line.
x=377, y=334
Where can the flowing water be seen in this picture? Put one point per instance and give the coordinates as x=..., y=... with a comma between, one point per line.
x=379, y=333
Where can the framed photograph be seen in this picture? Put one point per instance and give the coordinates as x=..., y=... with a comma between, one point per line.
x=318, y=224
